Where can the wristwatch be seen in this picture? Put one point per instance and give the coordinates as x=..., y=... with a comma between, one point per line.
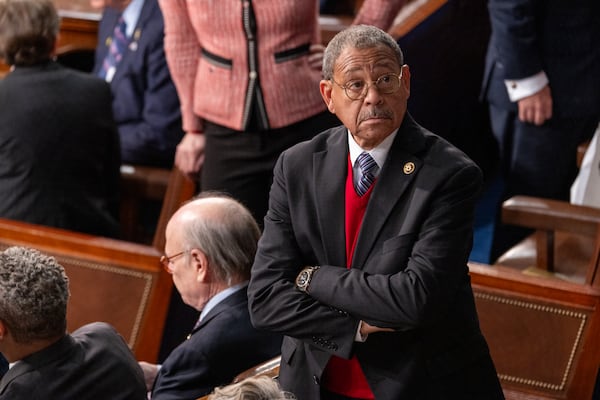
x=304, y=277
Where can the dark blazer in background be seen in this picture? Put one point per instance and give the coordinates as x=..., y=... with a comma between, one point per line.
x=59, y=150
x=93, y=362
x=223, y=345
x=408, y=272
x=446, y=56
x=558, y=37
x=145, y=105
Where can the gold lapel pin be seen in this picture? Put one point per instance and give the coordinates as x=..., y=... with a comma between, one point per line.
x=409, y=168
x=108, y=41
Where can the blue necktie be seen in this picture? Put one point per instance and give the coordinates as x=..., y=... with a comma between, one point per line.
x=367, y=168
x=117, y=48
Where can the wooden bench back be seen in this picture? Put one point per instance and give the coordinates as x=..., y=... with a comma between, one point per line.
x=110, y=280
x=542, y=332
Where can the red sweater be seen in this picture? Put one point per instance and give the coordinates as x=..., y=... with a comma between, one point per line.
x=346, y=376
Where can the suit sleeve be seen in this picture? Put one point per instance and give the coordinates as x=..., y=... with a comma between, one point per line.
x=516, y=43
x=423, y=290
x=275, y=303
x=182, y=51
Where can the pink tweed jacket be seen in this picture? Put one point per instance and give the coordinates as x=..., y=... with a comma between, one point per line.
x=207, y=52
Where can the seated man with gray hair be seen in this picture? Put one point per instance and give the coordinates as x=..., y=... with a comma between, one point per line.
x=210, y=246
x=47, y=363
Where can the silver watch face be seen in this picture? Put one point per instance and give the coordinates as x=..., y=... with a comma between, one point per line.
x=303, y=279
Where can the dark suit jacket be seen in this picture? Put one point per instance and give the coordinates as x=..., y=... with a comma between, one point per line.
x=408, y=273
x=59, y=150
x=145, y=105
x=558, y=37
x=93, y=362
x=223, y=345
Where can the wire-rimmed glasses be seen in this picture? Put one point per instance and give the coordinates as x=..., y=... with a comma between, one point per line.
x=357, y=89
x=167, y=260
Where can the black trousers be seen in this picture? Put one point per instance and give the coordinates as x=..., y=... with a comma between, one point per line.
x=240, y=163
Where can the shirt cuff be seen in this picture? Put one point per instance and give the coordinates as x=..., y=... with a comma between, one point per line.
x=521, y=88
x=358, y=337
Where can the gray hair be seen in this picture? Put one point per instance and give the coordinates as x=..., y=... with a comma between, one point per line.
x=228, y=237
x=260, y=387
x=28, y=31
x=358, y=37
x=34, y=291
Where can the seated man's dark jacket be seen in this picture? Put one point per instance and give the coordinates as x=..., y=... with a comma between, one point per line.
x=93, y=362
x=223, y=345
x=59, y=150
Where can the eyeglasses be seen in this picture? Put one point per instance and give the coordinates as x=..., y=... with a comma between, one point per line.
x=357, y=89
x=166, y=260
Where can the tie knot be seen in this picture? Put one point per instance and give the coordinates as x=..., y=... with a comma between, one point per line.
x=367, y=167
x=366, y=163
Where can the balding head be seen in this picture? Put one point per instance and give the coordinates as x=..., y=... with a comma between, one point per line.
x=223, y=229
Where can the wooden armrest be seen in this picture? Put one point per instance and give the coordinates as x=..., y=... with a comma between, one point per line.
x=269, y=368
x=551, y=215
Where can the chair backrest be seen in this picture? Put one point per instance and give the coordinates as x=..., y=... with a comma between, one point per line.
x=542, y=332
x=180, y=189
x=110, y=280
x=566, y=242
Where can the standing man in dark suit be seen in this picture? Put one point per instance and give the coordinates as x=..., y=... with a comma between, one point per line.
x=145, y=103
x=542, y=83
x=366, y=272
x=59, y=148
x=46, y=363
x=210, y=246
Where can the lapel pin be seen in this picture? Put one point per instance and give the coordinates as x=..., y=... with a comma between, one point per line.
x=108, y=41
x=409, y=168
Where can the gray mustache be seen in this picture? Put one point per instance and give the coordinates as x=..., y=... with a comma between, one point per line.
x=375, y=113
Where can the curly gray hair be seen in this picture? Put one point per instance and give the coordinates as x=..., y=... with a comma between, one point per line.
x=34, y=291
x=259, y=387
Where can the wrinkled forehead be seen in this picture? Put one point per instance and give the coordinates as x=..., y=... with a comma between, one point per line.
x=369, y=60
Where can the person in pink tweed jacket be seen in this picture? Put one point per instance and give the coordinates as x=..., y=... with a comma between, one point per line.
x=247, y=74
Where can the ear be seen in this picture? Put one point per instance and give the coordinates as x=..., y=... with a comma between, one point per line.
x=200, y=265
x=326, y=88
x=406, y=79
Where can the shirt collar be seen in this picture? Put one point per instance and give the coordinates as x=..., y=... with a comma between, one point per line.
x=219, y=297
x=378, y=153
x=131, y=15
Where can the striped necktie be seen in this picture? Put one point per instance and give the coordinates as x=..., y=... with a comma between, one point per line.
x=118, y=45
x=367, y=167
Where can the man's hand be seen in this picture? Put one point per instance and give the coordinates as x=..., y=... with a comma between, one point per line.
x=189, y=155
x=366, y=329
x=537, y=108
x=150, y=372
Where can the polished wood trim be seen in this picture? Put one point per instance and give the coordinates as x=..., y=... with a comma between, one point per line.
x=412, y=14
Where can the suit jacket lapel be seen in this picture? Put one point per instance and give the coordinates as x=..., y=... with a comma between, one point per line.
x=329, y=169
x=401, y=166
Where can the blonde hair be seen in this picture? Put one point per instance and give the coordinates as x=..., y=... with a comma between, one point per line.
x=260, y=387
